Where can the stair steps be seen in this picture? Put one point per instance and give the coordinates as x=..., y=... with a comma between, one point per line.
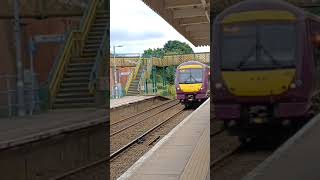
x=73, y=90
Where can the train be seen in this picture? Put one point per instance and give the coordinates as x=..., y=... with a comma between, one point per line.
x=192, y=83
x=265, y=67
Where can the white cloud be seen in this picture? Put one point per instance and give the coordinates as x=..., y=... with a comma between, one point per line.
x=137, y=27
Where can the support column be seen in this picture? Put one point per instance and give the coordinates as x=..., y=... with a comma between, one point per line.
x=154, y=79
x=20, y=84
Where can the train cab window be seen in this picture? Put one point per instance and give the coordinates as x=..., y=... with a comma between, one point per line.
x=253, y=46
x=190, y=76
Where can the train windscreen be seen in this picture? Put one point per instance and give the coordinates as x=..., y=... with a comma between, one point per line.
x=258, y=46
x=190, y=76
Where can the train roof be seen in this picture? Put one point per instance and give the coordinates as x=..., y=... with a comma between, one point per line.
x=265, y=5
x=192, y=63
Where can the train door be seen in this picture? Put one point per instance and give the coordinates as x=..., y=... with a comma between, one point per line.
x=315, y=36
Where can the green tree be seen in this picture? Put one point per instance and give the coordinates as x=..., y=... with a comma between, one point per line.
x=171, y=47
x=171, y=74
x=159, y=52
x=177, y=47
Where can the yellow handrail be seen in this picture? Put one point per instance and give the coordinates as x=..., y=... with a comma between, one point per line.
x=73, y=46
x=132, y=76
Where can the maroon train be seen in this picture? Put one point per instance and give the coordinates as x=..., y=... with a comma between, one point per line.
x=192, y=83
x=266, y=66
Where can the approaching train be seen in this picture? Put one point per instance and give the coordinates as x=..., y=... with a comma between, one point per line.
x=266, y=66
x=192, y=82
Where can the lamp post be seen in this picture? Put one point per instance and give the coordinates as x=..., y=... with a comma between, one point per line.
x=115, y=71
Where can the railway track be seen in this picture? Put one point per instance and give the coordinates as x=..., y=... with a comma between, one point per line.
x=124, y=124
x=128, y=154
x=217, y=132
x=141, y=113
x=80, y=171
x=101, y=163
x=224, y=157
x=237, y=163
x=128, y=145
x=233, y=160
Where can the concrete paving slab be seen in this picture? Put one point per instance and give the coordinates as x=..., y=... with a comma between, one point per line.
x=296, y=159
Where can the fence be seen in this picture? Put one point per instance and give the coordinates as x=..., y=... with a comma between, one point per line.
x=8, y=94
x=168, y=60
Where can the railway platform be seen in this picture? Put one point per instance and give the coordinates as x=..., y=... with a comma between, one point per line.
x=298, y=158
x=127, y=106
x=53, y=144
x=126, y=100
x=184, y=153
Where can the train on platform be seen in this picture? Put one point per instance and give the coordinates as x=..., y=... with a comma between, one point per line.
x=266, y=67
x=192, y=82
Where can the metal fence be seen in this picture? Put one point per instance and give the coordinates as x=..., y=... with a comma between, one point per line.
x=8, y=94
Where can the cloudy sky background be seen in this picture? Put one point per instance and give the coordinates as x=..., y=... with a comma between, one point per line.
x=137, y=27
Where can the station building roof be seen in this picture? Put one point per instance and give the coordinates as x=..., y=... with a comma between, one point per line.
x=191, y=18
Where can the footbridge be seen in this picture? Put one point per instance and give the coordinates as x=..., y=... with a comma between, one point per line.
x=144, y=69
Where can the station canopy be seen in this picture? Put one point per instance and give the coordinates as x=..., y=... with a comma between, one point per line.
x=312, y=6
x=191, y=18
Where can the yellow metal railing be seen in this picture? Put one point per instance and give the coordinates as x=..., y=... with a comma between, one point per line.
x=133, y=75
x=169, y=60
x=124, y=62
x=73, y=46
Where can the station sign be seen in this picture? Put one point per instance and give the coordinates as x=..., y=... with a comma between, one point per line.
x=49, y=38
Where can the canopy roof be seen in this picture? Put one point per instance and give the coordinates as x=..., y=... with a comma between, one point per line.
x=191, y=18
x=310, y=5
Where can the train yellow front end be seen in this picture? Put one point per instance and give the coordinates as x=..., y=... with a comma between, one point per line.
x=259, y=76
x=192, y=84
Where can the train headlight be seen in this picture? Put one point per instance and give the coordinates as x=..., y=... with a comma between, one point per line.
x=293, y=86
x=178, y=88
x=218, y=85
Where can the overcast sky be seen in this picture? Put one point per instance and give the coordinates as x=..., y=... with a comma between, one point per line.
x=137, y=27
